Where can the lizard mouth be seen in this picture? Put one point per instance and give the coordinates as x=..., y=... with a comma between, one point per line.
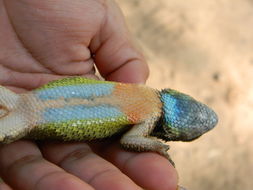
x=3, y=111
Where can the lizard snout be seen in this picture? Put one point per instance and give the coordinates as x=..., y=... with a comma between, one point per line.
x=207, y=117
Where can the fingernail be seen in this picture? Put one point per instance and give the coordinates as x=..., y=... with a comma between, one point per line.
x=181, y=188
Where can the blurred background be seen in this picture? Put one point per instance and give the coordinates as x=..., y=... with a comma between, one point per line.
x=205, y=49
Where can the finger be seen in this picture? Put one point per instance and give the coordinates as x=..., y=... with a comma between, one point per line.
x=149, y=170
x=23, y=167
x=21, y=82
x=60, y=36
x=13, y=54
x=25, y=80
x=116, y=55
x=4, y=186
x=78, y=159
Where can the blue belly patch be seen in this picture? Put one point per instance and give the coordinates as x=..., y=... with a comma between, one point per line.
x=80, y=112
x=78, y=91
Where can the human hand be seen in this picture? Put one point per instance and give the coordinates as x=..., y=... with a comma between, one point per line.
x=45, y=40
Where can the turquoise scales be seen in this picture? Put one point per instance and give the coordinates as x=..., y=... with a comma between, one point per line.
x=84, y=109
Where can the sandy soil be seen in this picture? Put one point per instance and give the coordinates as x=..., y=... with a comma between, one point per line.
x=204, y=48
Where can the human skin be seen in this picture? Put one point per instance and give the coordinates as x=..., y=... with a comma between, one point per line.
x=45, y=40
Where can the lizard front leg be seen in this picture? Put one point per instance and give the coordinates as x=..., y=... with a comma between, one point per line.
x=138, y=139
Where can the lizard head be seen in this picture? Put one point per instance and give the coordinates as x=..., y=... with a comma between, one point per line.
x=184, y=118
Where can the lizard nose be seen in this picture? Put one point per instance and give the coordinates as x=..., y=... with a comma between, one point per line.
x=213, y=118
x=207, y=117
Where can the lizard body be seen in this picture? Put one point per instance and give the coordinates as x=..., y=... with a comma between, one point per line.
x=77, y=109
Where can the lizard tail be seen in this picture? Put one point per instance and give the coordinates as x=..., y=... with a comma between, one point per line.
x=11, y=122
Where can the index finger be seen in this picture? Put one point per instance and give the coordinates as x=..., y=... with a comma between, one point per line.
x=116, y=55
x=147, y=169
x=23, y=167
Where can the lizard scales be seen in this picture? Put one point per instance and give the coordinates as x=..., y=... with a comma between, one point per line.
x=76, y=109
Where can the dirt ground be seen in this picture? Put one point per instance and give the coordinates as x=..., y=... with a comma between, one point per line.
x=204, y=48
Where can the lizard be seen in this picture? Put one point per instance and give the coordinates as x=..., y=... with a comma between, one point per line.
x=82, y=109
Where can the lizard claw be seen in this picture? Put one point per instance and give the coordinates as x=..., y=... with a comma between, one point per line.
x=166, y=147
x=163, y=151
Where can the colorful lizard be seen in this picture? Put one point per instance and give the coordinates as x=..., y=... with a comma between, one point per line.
x=77, y=109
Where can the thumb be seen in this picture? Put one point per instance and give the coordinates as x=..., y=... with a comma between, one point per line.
x=116, y=56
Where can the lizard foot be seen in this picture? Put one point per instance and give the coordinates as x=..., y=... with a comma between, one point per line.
x=142, y=144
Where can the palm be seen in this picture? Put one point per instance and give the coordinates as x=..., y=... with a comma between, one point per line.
x=45, y=40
